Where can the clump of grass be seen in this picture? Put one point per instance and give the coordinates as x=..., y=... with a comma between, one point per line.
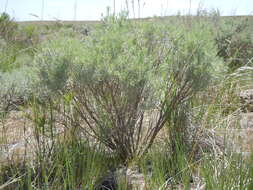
x=72, y=165
x=58, y=161
x=230, y=172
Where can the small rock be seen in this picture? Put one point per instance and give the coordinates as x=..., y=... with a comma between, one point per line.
x=246, y=120
x=132, y=177
x=135, y=178
x=246, y=98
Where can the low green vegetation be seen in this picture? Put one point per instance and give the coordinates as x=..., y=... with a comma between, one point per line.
x=102, y=98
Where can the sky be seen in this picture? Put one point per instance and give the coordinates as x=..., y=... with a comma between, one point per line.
x=23, y=10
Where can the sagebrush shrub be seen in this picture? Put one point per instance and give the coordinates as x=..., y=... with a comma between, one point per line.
x=133, y=77
x=53, y=64
x=125, y=79
x=7, y=27
x=16, y=87
x=235, y=43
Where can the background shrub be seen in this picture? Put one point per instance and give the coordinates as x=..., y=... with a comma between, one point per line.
x=53, y=63
x=16, y=88
x=235, y=42
x=8, y=27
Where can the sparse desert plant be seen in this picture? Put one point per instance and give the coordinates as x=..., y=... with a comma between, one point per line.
x=7, y=27
x=72, y=165
x=53, y=64
x=16, y=88
x=28, y=36
x=15, y=44
x=129, y=83
x=8, y=57
x=230, y=172
x=235, y=42
x=161, y=169
x=56, y=160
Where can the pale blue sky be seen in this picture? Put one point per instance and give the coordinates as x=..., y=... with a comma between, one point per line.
x=93, y=9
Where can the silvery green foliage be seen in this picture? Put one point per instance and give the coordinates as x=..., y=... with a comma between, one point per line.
x=127, y=78
x=53, y=71
x=16, y=87
x=53, y=64
x=7, y=55
x=126, y=57
x=133, y=76
x=2, y=42
x=118, y=82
